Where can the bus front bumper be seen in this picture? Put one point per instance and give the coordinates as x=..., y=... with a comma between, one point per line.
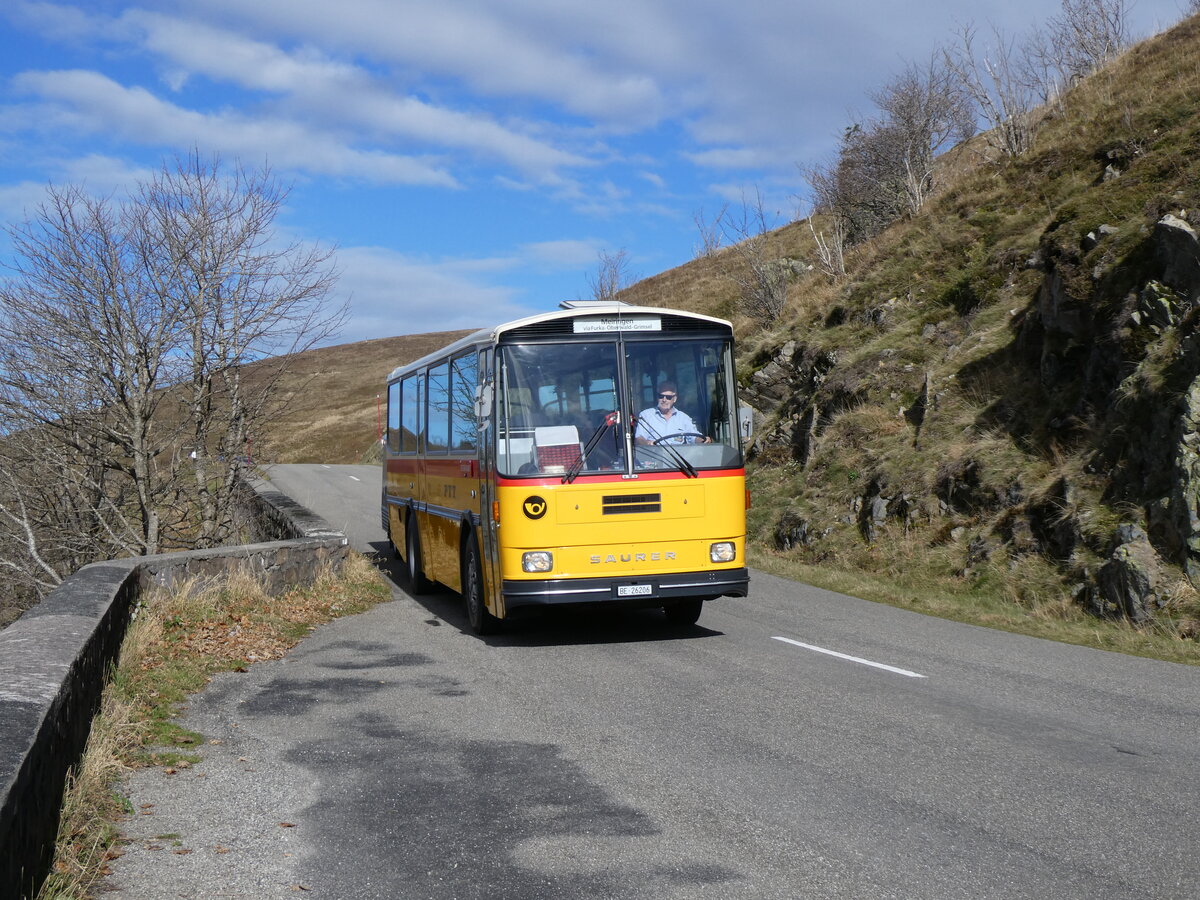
x=649, y=590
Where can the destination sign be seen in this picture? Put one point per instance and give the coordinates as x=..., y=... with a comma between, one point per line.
x=598, y=324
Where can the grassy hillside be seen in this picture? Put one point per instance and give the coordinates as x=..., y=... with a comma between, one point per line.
x=972, y=415
x=331, y=411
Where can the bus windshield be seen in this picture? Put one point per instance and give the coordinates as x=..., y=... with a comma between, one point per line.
x=595, y=407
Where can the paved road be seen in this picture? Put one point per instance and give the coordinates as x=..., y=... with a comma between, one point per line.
x=607, y=756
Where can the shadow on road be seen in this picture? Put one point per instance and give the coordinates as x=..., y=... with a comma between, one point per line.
x=554, y=626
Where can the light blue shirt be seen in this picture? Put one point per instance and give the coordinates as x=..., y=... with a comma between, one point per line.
x=652, y=425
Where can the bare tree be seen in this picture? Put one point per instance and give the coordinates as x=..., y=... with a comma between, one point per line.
x=711, y=236
x=994, y=80
x=86, y=345
x=1040, y=68
x=125, y=331
x=1087, y=34
x=246, y=298
x=924, y=112
x=612, y=275
x=827, y=203
x=884, y=169
x=25, y=557
x=59, y=509
x=831, y=246
x=761, y=277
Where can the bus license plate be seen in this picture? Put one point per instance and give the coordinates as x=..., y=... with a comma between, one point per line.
x=635, y=590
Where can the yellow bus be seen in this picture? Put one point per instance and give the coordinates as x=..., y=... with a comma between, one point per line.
x=585, y=456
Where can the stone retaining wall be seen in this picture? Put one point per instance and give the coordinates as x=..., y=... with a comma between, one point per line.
x=54, y=660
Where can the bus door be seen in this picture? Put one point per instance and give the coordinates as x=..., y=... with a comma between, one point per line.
x=487, y=417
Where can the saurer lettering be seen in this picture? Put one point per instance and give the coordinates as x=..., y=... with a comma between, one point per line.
x=655, y=556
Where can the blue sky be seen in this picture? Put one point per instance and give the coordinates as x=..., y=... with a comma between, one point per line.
x=468, y=158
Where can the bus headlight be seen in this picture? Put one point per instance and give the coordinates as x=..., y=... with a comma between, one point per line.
x=537, y=561
x=722, y=552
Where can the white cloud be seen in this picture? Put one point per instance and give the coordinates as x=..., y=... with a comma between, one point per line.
x=18, y=201
x=566, y=254
x=97, y=104
x=731, y=158
x=396, y=294
x=100, y=175
x=63, y=23
x=337, y=93
x=103, y=174
x=775, y=77
x=226, y=55
x=508, y=50
x=654, y=179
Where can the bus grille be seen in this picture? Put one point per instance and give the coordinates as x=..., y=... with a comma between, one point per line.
x=617, y=505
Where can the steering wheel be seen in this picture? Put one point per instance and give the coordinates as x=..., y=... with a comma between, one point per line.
x=678, y=434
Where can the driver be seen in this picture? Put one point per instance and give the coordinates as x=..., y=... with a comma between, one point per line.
x=663, y=420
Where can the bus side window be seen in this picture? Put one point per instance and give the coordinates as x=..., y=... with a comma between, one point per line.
x=393, y=417
x=438, y=422
x=419, y=423
x=407, y=416
x=463, y=381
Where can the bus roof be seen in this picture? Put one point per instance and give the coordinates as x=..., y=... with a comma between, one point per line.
x=493, y=334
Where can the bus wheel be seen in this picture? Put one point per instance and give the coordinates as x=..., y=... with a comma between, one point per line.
x=417, y=581
x=482, y=621
x=684, y=612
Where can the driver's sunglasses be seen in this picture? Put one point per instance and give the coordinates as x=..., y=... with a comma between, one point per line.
x=666, y=396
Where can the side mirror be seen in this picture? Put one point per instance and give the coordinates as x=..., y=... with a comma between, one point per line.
x=483, y=401
x=745, y=421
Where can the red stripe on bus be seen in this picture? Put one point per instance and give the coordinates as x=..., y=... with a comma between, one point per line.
x=452, y=468
x=444, y=468
x=405, y=465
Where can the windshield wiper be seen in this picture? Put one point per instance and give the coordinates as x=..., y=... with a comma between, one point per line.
x=678, y=458
x=576, y=467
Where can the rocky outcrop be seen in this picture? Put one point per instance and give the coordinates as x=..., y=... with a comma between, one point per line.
x=1181, y=528
x=1178, y=252
x=1127, y=585
x=1052, y=520
x=787, y=386
x=790, y=376
x=1107, y=352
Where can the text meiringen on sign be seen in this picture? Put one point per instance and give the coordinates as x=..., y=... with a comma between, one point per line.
x=595, y=325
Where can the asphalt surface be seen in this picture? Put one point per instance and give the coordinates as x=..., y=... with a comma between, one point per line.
x=395, y=755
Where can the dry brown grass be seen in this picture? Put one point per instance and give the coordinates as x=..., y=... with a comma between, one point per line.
x=331, y=413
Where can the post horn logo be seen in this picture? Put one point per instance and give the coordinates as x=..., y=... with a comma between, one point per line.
x=535, y=507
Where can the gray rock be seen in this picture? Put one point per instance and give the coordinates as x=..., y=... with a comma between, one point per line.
x=792, y=531
x=1178, y=251
x=879, y=510
x=1128, y=533
x=978, y=550
x=1127, y=584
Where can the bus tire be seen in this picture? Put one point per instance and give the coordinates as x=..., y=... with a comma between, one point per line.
x=683, y=612
x=482, y=622
x=417, y=582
